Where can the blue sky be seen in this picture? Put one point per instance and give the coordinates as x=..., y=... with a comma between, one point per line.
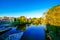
x=28, y=8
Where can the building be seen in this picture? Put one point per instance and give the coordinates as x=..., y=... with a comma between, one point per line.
x=11, y=19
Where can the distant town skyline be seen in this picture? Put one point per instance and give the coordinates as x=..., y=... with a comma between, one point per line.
x=27, y=8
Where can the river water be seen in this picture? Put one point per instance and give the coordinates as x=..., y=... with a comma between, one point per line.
x=35, y=32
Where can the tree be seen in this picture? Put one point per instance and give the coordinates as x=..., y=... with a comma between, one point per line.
x=42, y=20
x=53, y=15
x=29, y=21
x=53, y=22
x=35, y=21
x=20, y=23
x=22, y=19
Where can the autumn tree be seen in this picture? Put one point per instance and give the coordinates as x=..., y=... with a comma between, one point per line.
x=35, y=21
x=53, y=21
x=53, y=15
x=29, y=20
x=22, y=19
x=20, y=23
x=42, y=20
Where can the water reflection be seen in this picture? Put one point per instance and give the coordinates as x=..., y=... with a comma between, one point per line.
x=34, y=33
x=31, y=32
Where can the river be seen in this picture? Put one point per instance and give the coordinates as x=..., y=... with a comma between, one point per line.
x=37, y=31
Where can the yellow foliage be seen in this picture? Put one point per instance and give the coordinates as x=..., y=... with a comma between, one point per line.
x=22, y=19
x=53, y=15
x=42, y=20
x=35, y=21
x=29, y=20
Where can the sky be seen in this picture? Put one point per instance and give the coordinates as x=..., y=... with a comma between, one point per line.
x=28, y=8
